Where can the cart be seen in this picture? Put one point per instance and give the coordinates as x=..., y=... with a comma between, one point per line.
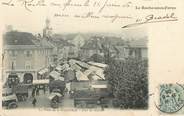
x=55, y=98
x=9, y=102
x=21, y=91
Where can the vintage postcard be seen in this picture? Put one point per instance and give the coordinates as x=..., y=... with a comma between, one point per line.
x=92, y=57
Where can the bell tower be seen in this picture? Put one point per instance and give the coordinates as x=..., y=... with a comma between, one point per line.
x=47, y=31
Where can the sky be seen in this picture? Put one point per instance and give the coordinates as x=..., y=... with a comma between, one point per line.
x=34, y=22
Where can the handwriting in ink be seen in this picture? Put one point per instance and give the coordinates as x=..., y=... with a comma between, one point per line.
x=153, y=19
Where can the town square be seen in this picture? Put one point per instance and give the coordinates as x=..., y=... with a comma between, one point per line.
x=75, y=70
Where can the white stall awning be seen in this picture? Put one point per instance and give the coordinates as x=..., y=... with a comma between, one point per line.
x=43, y=81
x=43, y=71
x=81, y=76
x=99, y=86
x=56, y=76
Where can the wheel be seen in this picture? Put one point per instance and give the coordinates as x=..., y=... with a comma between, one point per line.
x=83, y=104
x=12, y=105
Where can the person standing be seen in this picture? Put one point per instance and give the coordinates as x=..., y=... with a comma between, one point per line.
x=34, y=102
x=37, y=91
x=33, y=92
x=101, y=102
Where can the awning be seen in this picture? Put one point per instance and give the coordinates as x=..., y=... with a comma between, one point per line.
x=83, y=64
x=101, y=65
x=52, y=65
x=60, y=68
x=10, y=97
x=56, y=76
x=98, y=71
x=66, y=67
x=6, y=90
x=87, y=72
x=43, y=71
x=99, y=86
x=95, y=77
x=52, y=95
x=81, y=76
x=76, y=67
x=43, y=81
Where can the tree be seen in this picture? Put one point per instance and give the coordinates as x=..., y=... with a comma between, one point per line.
x=96, y=58
x=128, y=82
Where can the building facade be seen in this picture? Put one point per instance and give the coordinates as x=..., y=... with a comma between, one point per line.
x=24, y=54
x=137, y=48
x=91, y=47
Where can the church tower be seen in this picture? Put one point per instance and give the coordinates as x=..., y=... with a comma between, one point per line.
x=47, y=31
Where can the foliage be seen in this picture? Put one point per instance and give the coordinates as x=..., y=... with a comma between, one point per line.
x=128, y=82
x=96, y=58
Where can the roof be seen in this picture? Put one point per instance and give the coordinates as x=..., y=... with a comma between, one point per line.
x=45, y=70
x=120, y=49
x=59, y=68
x=81, y=76
x=92, y=44
x=18, y=38
x=98, y=71
x=95, y=77
x=60, y=42
x=43, y=81
x=65, y=67
x=82, y=64
x=99, y=86
x=45, y=43
x=75, y=67
x=24, y=40
x=139, y=43
x=57, y=36
x=70, y=36
x=99, y=42
x=101, y=65
x=56, y=76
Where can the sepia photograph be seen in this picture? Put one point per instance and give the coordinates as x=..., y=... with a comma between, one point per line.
x=91, y=57
x=96, y=70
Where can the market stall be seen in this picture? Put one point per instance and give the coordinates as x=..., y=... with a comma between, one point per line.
x=42, y=74
x=54, y=75
x=41, y=84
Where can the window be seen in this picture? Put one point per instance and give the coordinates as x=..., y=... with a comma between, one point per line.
x=27, y=65
x=13, y=53
x=13, y=65
x=28, y=53
x=130, y=52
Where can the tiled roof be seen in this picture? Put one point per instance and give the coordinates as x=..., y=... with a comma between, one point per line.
x=24, y=40
x=61, y=42
x=18, y=38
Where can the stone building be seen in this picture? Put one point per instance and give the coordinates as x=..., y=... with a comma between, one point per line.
x=25, y=55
